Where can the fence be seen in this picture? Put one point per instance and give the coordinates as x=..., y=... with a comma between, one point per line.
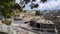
x=15, y=30
x=19, y=30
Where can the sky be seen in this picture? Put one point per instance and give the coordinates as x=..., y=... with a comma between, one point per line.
x=48, y=5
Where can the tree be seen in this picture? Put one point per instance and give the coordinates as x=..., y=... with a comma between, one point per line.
x=33, y=0
x=32, y=5
x=7, y=8
x=38, y=13
x=43, y=1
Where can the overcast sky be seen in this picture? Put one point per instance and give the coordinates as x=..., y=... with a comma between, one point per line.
x=48, y=5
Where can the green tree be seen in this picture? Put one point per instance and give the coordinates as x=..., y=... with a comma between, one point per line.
x=7, y=8
x=38, y=13
x=43, y=1
x=32, y=5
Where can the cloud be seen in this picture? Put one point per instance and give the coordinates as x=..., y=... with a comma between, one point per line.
x=49, y=5
x=53, y=4
x=17, y=1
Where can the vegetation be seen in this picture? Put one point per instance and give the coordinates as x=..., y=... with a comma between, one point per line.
x=32, y=5
x=7, y=8
x=38, y=13
x=43, y=1
x=33, y=0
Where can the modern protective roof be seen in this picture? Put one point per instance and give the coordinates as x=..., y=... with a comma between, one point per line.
x=43, y=21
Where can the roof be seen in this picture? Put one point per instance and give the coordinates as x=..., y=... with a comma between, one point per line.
x=43, y=21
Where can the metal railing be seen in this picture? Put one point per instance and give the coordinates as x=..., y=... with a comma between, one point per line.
x=15, y=30
x=19, y=30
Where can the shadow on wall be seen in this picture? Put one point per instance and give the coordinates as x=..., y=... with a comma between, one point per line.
x=3, y=33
